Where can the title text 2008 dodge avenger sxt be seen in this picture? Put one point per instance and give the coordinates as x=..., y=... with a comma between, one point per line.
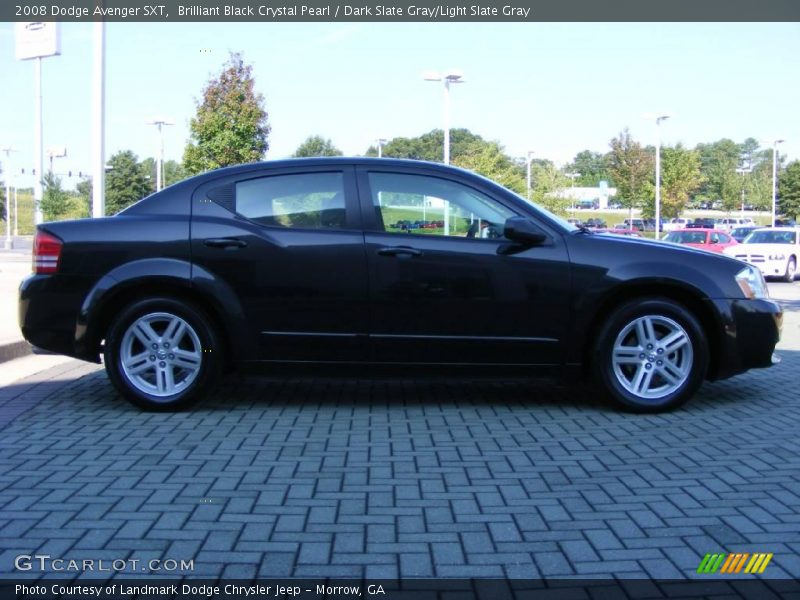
x=383, y=262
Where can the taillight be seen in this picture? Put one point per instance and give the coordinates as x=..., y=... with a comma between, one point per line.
x=46, y=252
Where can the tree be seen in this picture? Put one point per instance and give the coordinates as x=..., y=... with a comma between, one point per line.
x=592, y=166
x=84, y=196
x=547, y=185
x=173, y=172
x=316, y=145
x=430, y=146
x=231, y=126
x=126, y=182
x=680, y=177
x=55, y=201
x=789, y=182
x=488, y=159
x=632, y=170
x=719, y=161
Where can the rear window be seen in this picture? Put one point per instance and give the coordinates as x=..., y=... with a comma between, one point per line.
x=687, y=237
x=301, y=200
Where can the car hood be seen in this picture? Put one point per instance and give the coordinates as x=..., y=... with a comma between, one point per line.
x=662, y=246
x=760, y=249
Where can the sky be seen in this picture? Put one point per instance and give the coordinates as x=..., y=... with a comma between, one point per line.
x=554, y=89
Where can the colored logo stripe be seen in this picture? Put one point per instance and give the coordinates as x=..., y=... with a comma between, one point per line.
x=710, y=563
x=734, y=563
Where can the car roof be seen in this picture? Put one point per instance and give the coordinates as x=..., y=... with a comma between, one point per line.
x=335, y=160
x=778, y=228
x=699, y=229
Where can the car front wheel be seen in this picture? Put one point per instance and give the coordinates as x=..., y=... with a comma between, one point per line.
x=651, y=355
x=791, y=269
x=161, y=354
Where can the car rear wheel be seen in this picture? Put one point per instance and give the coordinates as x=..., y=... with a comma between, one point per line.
x=651, y=355
x=791, y=270
x=161, y=354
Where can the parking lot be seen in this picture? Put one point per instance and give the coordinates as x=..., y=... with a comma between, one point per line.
x=405, y=477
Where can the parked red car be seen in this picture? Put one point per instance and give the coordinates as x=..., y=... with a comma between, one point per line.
x=712, y=240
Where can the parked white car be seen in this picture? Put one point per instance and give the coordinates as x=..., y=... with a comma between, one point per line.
x=675, y=224
x=732, y=223
x=774, y=250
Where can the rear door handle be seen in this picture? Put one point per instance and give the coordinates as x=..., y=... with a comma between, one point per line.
x=225, y=243
x=399, y=251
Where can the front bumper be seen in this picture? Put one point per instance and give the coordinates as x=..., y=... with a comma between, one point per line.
x=750, y=331
x=770, y=268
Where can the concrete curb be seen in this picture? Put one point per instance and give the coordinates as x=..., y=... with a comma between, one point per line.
x=12, y=350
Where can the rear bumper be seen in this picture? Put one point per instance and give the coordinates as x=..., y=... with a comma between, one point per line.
x=48, y=307
x=750, y=331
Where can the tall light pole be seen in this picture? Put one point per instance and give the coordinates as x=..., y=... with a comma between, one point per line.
x=572, y=177
x=447, y=78
x=160, y=124
x=99, y=121
x=528, y=161
x=743, y=171
x=775, y=176
x=658, y=171
x=9, y=243
x=381, y=142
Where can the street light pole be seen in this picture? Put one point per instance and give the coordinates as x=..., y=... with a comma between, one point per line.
x=99, y=120
x=743, y=171
x=37, y=145
x=775, y=176
x=529, y=160
x=9, y=243
x=381, y=142
x=658, y=172
x=447, y=78
x=160, y=123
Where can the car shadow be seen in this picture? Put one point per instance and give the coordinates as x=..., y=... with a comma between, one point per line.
x=370, y=391
x=550, y=396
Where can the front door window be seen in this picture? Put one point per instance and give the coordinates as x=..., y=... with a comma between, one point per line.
x=421, y=205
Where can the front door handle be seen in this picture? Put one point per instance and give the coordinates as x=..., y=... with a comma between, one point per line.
x=399, y=251
x=225, y=243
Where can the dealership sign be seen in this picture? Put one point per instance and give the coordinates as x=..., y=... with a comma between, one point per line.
x=37, y=39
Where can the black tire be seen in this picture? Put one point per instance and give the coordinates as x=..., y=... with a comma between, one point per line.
x=197, y=380
x=692, y=357
x=791, y=270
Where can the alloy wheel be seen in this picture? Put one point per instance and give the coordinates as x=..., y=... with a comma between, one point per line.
x=161, y=354
x=652, y=357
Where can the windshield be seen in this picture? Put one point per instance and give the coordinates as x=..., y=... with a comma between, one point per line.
x=771, y=237
x=686, y=237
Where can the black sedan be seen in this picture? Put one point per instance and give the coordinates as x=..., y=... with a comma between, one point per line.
x=296, y=263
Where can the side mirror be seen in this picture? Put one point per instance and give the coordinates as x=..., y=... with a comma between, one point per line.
x=523, y=231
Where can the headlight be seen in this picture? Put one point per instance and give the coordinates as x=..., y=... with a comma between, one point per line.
x=752, y=283
x=776, y=257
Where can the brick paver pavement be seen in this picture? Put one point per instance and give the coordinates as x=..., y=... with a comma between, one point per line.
x=416, y=478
